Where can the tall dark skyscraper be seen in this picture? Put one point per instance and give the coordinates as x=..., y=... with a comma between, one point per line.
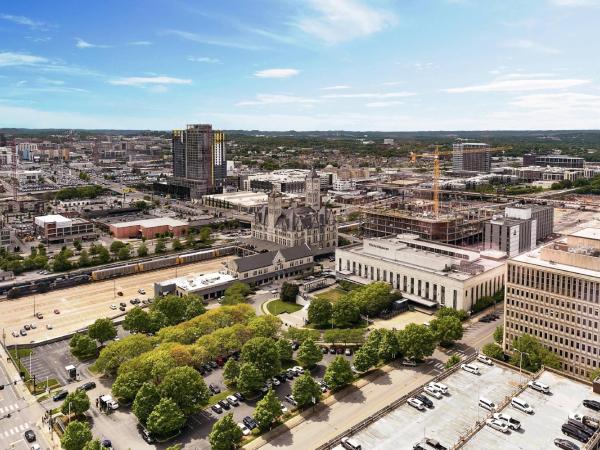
x=199, y=159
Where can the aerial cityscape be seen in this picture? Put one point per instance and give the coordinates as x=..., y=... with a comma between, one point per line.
x=307, y=225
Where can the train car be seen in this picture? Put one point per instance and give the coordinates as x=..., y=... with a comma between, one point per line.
x=196, y=256
x=157, y=263
x=111, y=272
x=71, y=281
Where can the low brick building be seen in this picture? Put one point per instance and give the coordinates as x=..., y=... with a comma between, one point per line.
x=148, y=228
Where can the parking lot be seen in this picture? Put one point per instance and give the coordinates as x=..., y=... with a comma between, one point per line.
x=450, y=417
x=539, y=429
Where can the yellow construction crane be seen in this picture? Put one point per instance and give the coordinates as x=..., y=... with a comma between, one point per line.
x=436, y=169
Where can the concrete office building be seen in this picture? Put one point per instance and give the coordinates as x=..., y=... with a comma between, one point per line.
x=553, y=294
x=471, y=157
x=427, y=273
x=59, y=229
x=571, y=162
x=199, y=159
x=519, y=230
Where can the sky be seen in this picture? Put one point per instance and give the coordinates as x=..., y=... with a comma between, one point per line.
x=387, y=65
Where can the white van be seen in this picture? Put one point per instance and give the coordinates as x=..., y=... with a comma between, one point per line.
x=539, y=386
x=471, y=368
x=350, y=444
x=440, y=387
x=487, y=404
x=521, y=405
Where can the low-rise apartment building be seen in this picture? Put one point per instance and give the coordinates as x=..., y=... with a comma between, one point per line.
x=553, y=293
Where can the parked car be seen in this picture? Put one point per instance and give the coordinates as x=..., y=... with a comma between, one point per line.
x=250, y=422
x=565, y=444
x=23, y=332
x=332, y=350
x=61, y=395
x=497, y=424
x=471, y=368
x=409, y=362
x=425, y=400
x=430, y=390
x=232, y=400
x=15, y=334
x=325, y=350
x=512, y=423
x=290, y=399
x=214, y=388
x=539, y=386
x=27, y=327
x=521, y=405
x=29, y=435
x=87, y=386
x=33, y=326
x=290, y=375
x=350, y=444
x=283, y=408
x=275, y=381
x=348, y=352
x=121, y=308
x=245, y=430
x=485, y=359
x=56, y=311
x=239, y=396
x=113, y=307
x=416, y=403
x=39, y=315
x=49, y=326
x=142, y=291
x=298, y=369
x=146, y=435
x=225, y=404
x=217, y=408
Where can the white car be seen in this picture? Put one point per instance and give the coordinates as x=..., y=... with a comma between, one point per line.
x=440, y=387
x=497, y=424
x=416, y=403
x=275, y=381
x=521, y=405
x=513, y=424
x=471, y=368
x=298, y=369
x=113, y=306
x=48, y=326
x=244, y=428
x=538, y=386
x=284, y=409
x=433, y=392
x=141, y=291
x=484, y=359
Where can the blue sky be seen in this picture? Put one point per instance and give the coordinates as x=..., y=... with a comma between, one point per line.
x=301, y=64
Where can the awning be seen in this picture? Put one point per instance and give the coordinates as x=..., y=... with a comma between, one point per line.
x=420, y=300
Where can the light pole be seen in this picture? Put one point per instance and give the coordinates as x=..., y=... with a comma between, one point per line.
x=520, y=361
x=33, y=305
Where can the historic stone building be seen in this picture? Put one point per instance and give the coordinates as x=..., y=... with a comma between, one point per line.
x=312, y=224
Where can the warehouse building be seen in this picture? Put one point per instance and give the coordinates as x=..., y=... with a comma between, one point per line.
x=55, y=228
x=148, y=228
x=427, y=273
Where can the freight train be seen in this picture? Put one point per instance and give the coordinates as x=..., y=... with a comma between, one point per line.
x=46, y=285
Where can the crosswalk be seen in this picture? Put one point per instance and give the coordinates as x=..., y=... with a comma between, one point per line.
x=8, y=409
x=15, y=430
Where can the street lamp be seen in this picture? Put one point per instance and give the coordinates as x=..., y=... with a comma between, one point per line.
x=520, y=360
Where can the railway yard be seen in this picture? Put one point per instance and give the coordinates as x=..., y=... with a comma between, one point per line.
x=81, y=305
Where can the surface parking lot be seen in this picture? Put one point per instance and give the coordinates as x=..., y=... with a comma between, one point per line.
x=450, y=417
x=550, y=411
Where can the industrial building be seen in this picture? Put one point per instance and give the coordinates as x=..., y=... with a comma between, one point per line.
x=207, y=286
x=520, y=229
x=471, y=157
x=572, y=162
x=148, y=228
x=270, y=266
x=59, y=229
x=552, y=293
x=427, y=273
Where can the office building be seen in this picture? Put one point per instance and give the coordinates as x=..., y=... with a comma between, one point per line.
x=148, y=228
x=312, y=224
x=427, y=273
x=553, y=294
x=199, y=159
x=59, y=229
x=207, y=285
x=520, y=229
x=570, y=162
x=471, y=157
x=4, y=236
x=6, y=156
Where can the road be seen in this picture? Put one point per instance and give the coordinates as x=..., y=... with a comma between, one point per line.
x=81, y=305
x=362, y=403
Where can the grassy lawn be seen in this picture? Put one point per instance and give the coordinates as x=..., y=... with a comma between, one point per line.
x=333, y=295
x=278, y=307
x=218, y=397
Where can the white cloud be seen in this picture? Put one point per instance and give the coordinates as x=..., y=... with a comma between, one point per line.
x=141, y=43
x=210, y=41
x=526, y=44
x=338, y=87
x=276, y=73
x=383, y=104
x=22, y=20
x=519, y=85
x=373, y=95
x=148, y=81
x=80, y=43
x=277, y=99
x=203, y=59
x=343, y=20
x=20, y=59
x=560, y=101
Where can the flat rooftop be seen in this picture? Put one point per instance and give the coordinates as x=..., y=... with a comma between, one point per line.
x=453, y=415
x=149, y=223
x=534, y=257
x=197, y=282
x=588, y=233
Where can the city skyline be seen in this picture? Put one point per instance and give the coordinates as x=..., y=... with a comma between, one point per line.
x=309, y=65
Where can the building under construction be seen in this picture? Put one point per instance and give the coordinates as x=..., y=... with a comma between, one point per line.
x=453, y=224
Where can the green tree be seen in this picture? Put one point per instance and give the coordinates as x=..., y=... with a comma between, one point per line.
x=124, y=253
x=345, y=313
x=373, y=298
x=61, y=262
x=289, y=292
x=458, y=313
x=306, y=391
x=493, y=351
x=499, y=334
x=320, y=311
x=165, y=419
x=116, y=353
x=446, y=330
x=102, y=330
x=268, y=409
x=194, y=307
x=366, y=356
x=534, y=354
x=452, y=361
x=76, y=435
x=84, y=346
x=231, y=371
x=77, y=402
x=102, y=255
x=145, y=401
x=128, y=383
x=265, y=326
x=176, y=245
x=250, y=379
x=160, y=246
x=593, y=375
x=173, y=307
x=225, y=434
x=205, y=233
x=416, y=341
x=115, y=246
x=236, y=293
x=84, y=259
x=137, y=321
x=186, y=387
x=389, y=348
x=262, y=352
x=284, y=348
x=338, y=373
x=76, y=244
x=309, y=354
x=93, y=445
x=142, y=250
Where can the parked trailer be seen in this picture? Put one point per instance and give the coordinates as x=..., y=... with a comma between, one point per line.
x=111, y=272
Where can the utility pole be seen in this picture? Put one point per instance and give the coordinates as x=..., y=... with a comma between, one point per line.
x=33, y=305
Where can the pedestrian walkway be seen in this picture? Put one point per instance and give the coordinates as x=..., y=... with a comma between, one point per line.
x=15, y=430
x=6, y=409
